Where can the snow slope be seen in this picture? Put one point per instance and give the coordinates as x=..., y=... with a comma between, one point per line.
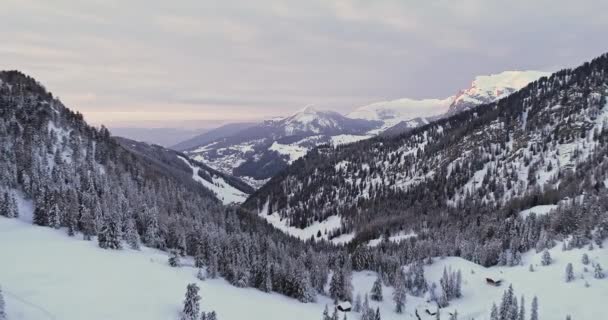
x=49, y=275
x=224, y=191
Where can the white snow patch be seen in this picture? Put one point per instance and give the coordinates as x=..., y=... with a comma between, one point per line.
x=538, y=210
x=293, y=152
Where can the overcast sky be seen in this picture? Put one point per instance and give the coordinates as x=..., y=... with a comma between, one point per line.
x=152, y=63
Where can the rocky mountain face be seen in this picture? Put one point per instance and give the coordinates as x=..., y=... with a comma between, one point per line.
x=543, y=144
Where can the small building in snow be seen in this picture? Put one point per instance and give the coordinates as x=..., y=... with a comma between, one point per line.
x=345, y=306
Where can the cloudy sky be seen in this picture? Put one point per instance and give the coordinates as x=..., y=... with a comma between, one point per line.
x=166, y=63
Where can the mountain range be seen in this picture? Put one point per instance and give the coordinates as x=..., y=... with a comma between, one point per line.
x=258, y=152
x=441, y=214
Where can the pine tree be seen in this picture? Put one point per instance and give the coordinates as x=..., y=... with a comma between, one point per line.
x=506, y=304
x=597, y=271
x=377, y=316
x=585, y=259
x=131, y=235
x=110, y=235
x=326, y=314
x=494, y=313
x=534, y=309
x=522, y=309
x=200, y=274
x=454, y=316
x=458, y=285
x=399, y=294
x=569, y=272
x=191, y=303
x=174, y=260
x=357, y=305
x=2, y=306
x=336, y=284
x=334, y=316
x=212, y=315
x=376, y=292
x=546, y=258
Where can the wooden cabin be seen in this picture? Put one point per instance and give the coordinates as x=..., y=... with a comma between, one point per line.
x=493, y=282
x=345, y=306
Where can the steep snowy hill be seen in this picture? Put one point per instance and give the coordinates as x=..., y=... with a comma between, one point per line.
x=92, y=186
x=405, y=114
x=54, y=277
x=541, y=144
x=257, y=153
x=226, y=188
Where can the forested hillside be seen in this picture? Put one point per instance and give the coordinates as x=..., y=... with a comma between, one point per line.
x=84, y=181
x=459, y=183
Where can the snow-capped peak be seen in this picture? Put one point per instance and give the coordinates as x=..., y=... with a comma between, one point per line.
x=395, y=111
x=484, y=89
x=488, y=88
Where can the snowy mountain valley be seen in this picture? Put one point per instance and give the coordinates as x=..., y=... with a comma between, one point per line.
x=497, y=211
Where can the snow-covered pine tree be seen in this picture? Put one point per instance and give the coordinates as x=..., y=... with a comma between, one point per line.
x=433, y=292
x=110, y=235
x=598, y=273
x=513, y=313
x=506, y=304
x=334, y=315
x=569, y=272
x=326, y=314
x=546, y=258
x=494, y=315
x=458, y=285
x=191, y=303
x=454, y=316
x=211, y=315
x=200, y=274
x=399, y=294
x=336, y=284
x=534, y=309
x=377, y=315
x=2, y=306
x=357, y=304
x=131, y=235
x=522, y=309
x=174, y=260
x=585, y=259
x=376, y=292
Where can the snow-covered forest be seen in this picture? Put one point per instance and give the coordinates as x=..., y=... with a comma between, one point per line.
x=498, y=212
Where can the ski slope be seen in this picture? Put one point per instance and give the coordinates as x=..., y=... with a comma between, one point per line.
x=47, y=275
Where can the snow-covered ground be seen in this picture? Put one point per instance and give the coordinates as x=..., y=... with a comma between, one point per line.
x=333, y=222
x=538, y=210
x=393, y=238
x=47, y=275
